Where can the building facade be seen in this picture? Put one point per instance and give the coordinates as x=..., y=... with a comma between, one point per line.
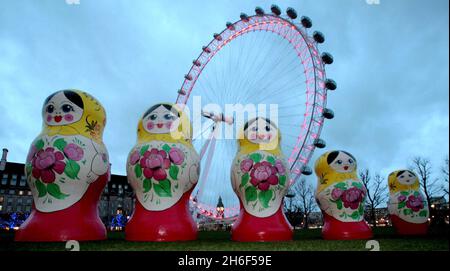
x=16, y=197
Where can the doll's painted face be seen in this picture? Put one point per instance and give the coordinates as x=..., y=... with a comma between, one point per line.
x=63, y=108
x=261, y=131
x=161, y=120
x=406, y=177
x=341, y=162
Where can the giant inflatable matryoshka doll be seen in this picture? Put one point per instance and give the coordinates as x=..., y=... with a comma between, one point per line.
x=163, y=169
x=407, y=206
x=260, y=178
x=67, y=168
x=341, y=197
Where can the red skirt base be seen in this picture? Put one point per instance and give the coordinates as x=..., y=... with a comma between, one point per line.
x=173, y=224
x=403, y=227
x=249, y=228
x=334, y=229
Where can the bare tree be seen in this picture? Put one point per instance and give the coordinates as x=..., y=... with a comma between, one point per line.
x=422, y=167
x=445, y=173
x=376, y=192
x=305, y=200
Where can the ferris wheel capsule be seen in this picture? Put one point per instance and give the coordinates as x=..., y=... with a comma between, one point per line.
x=330, y=84
x=259, y=11
x=318, y=37
x=320, y=143
x=328, y=113
x=181, y=92
x=206, y=49
x=275, y=10
x=196, y=63
x=327, y=58
x=244, y=17
x=230, y=26
x=217, y=37
x=291, y=13
x=306, y=22
x=306, y=170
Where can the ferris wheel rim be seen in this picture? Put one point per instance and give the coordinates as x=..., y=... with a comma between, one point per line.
x=312, y=125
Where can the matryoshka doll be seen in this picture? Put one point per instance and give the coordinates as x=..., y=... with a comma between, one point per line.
x=163, y=169
x=67, y=168
x=341, y=197
x=260, y=178
x=407, y=206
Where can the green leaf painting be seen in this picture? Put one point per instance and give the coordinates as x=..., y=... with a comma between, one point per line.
x=251, y=194
x=244, y=179
x=54, y=190
x=264, y=197
x=339, y=204
x=42, y=190
x=271, y=160
x=342, y=186
x=144, y=149
x=39, y=144
x=173, y=172
x=166, y=148
x=138, y=171
x=256, y=157
x=60, y=144
x=282, y=180
x=147, y=185
x=162, y=188
x=423, y=213
x=72, y=169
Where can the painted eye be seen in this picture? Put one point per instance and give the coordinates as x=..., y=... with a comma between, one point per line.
x=168, y=117
x=350, y=161
x=339, y=162
x=50, y=109
x=153, y=116
x=410, y=175
x=66, y=108
x=254, y=129
x=401, y=177
x=267, y=128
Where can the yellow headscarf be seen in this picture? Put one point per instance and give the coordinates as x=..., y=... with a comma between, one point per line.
x=395, y=186
x=327, y=175
x=246, y=146
x=91, y=124
x=181, y=135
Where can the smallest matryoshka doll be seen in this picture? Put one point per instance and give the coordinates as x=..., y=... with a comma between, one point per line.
x=341, y=196
x=407, y=206
x=163, y=169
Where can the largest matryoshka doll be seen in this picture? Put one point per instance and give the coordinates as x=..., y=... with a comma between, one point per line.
x=67, y=168
x=341, y=197
x=260, y=178
x=407, y=206
x=163, y=168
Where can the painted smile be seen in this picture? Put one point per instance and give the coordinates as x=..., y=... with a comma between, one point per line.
x=345, y=167
x=160, y=125
x=58, y=118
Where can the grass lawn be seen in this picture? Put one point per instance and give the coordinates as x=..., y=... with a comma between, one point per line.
x=304, y=240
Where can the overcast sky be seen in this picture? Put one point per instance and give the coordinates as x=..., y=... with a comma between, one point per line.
x=391, y=66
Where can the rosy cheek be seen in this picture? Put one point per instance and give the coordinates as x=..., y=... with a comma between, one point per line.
x=49, y=118
x=252, y=136
x=169, y=124
x=269, y=136
x=150, y=125
x=68, y=117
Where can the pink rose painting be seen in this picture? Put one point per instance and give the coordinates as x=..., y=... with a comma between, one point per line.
x=73, y=152
x=154, y=164
x=176, y=156
x=415, y=203
x=46, y=162
x=263, y=175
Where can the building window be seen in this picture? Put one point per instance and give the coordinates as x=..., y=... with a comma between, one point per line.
x=8, y=209
x=19, y=208
x=29, y=193
x=12, y=192
x=113, y=186
x=14, y=179
x=23, y=180
x=1, y=208
x=5, y=179
x=28, y=209
x=2, y=199
x=19, y=201
x=28, y=201
x=20, y=193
